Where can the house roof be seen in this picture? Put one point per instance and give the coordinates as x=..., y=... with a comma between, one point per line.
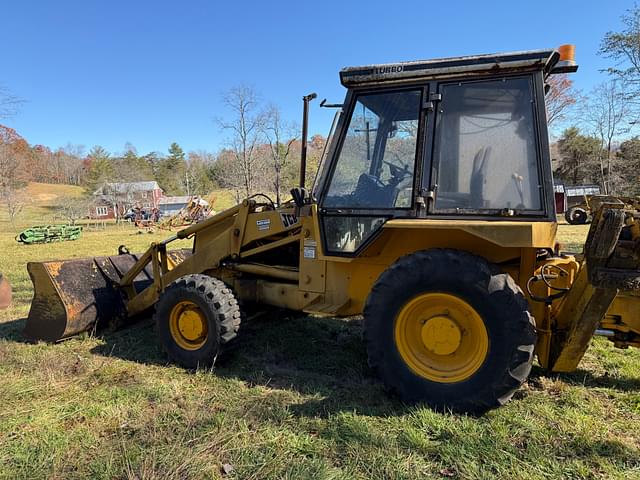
x=579, y=190
x=180, y=199
x=100, y=202
x=127, y=187
x=176, y=199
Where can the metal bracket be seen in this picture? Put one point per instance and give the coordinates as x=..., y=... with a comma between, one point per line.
x=324, y=104
x=429, y=105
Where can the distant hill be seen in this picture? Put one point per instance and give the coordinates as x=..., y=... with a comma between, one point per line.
x=48, y=194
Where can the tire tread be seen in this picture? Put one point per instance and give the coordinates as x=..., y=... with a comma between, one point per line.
x=452, y=266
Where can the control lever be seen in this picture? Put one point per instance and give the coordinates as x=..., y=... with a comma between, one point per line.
x=299, y=195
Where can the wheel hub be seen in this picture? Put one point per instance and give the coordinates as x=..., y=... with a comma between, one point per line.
x=190, y=325
x=441, y=335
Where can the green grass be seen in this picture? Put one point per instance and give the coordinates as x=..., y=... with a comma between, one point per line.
x=294, y=399
x=571, y=237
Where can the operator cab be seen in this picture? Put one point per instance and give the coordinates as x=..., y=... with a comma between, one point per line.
x=447, y=138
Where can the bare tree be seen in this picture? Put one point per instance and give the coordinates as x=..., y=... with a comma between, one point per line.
x=276, y=132
x=560, y=98
x=9, y=103
x=246, y=129
x=198, y=172
x=9, y=167
x=11, y=178
x=606, y=113
x=623, y=47
x=73, y=208
x=14, y=201
x=68, y=164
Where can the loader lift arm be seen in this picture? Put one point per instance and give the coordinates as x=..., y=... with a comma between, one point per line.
x=226, y=236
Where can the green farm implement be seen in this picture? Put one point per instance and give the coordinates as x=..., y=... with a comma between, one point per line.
x=49, y=233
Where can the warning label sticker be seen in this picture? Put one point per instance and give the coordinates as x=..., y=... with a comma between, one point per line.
x=264, y=224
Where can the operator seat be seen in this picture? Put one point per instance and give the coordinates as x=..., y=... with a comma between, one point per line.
x=478, y=177
x=371, y=192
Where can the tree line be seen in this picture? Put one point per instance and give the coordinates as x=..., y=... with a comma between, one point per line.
x=598, y=143
x=258, y=156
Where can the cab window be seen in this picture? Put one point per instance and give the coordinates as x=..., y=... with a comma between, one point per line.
x=485, y=148
x=375, y=166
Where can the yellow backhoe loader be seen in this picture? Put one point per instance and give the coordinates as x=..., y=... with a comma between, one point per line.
x=432, y=215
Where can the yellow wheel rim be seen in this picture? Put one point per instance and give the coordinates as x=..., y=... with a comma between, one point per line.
x=188, y=325
x=441, y=337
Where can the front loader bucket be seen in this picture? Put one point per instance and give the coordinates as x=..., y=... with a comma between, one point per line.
x=5, y=292
x=73, y=296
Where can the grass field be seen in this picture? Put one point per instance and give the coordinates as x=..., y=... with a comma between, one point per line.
x=293, y=400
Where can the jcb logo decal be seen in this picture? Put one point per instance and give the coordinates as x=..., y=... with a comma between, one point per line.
x=288, y=219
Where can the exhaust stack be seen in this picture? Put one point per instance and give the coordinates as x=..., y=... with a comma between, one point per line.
x=305, y=126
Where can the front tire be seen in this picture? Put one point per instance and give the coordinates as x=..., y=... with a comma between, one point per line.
x=443, y=328
x=195, y=316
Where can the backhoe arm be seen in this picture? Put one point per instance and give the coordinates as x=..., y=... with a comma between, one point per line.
x=610, y=267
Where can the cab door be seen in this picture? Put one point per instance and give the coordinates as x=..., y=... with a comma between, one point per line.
x=373, y=174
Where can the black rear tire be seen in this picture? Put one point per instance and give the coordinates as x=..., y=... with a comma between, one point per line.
x=576, y=216
x=219, y=308
x=495, y=297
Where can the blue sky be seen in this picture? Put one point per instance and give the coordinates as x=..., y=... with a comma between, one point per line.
x=153, y=72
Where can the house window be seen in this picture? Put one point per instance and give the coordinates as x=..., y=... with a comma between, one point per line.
x=143, y=194
x=102, y=211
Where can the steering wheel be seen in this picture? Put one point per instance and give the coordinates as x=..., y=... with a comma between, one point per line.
x=398, y=174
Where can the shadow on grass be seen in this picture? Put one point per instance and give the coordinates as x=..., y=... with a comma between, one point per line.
x=12, y=330
x=588, y=379
x=319, y=357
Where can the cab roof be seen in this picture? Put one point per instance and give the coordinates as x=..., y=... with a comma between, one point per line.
x=546, y=60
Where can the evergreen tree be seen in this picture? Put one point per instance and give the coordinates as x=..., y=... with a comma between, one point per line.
x=628, y=159
x=171, y=172
x=134, y=168
x=580, y=158
x=101, y=168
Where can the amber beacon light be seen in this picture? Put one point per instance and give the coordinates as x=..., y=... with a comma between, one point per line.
x=567, y=53
x=566, y=61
